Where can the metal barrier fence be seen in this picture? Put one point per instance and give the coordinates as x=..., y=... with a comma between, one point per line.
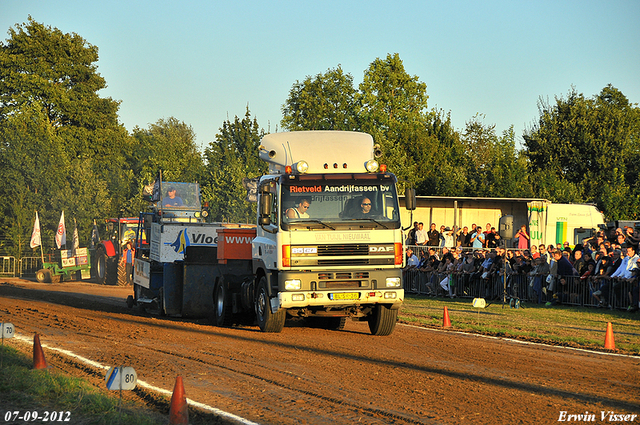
x=29, y=266
x=8, y=267
x=569, y=290
x=466, y=285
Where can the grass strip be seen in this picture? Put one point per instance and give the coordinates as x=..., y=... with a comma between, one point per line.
x=577, y=327
x=23, y=389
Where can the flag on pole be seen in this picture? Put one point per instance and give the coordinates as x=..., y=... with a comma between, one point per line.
x=76, y=239
x=36, y=239
x=61, y=233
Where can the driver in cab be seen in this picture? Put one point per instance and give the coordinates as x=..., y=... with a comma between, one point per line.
x=300, y=210
x=365, y=209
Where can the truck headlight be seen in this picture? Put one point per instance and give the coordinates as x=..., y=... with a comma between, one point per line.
x=393, y=282
x=292, y=284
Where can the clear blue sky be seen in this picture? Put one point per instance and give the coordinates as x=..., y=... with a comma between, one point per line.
x=206, y=61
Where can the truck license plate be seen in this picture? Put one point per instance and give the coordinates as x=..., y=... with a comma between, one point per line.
x=346, y=296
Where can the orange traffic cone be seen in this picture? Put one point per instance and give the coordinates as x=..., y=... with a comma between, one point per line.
x=445, y=320
x=38, y=355
x=609, y=343
x=178, y=412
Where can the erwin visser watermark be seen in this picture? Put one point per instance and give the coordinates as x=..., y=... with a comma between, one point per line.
x=602, y=416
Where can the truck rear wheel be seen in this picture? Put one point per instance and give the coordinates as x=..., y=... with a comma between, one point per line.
x=382, y=320
x=222, y=305
x=329, y=323
x=267, y=320
x=43, y=276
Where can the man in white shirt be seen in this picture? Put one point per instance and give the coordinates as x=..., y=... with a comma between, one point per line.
x=421, y=235
x=629, y=262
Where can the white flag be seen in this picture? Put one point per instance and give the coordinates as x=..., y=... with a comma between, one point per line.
x=36, y=240
x=61, y=233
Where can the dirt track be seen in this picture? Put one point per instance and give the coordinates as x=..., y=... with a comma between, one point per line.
x=314, y=376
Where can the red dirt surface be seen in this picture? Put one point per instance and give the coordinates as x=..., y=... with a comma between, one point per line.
x=314, y=376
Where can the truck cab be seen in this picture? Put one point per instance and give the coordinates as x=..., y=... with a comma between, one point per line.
x=329, y=239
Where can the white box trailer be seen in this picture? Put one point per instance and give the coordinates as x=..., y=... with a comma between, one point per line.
x=547, y=222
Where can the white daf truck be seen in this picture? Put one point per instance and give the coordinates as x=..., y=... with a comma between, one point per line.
x=341, y=256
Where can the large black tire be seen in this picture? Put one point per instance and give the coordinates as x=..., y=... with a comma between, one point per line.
x=329, y=323
x=43, y=276
x=106, y=268
x=268, y=321
x=336, y=323
x=382, y=320
x=122, y=274
x=223, y=311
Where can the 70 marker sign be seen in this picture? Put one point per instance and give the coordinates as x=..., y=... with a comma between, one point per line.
x=7, y=330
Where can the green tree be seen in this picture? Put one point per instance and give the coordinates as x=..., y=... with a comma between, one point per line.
x=392, y=109
x=591, y=146
x=324, y=102
x=63, y=132
x=494, y=167
x=232, y=157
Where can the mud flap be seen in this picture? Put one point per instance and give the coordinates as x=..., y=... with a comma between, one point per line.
x=275, y=304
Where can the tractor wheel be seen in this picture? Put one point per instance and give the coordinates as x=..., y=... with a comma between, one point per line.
x=122, y=274
x=43, y=276
x=106, y=268
x=267, y=320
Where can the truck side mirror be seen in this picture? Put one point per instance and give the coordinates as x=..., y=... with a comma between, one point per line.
x=410, y=199
x=264, y=218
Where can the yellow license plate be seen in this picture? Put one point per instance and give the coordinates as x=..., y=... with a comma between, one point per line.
x=346, y=296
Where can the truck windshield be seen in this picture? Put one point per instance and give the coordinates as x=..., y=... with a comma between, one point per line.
x=184, y=196
x=323, y=202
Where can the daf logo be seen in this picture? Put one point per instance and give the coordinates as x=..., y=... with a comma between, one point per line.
x=373, y=248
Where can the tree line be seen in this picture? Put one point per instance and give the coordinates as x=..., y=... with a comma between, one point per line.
x=63, y=148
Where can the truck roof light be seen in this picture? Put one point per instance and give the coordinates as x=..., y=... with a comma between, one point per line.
x=371, y=165
x=302, y=167
x=383, y=168
x=344, y=165
x=326, y=166
x=288, y=169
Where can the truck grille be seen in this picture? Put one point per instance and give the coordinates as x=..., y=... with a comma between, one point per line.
x=336, y=250
x=342, y=275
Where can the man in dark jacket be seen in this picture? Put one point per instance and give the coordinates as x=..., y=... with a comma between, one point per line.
x=564, y=271
x=433, y=236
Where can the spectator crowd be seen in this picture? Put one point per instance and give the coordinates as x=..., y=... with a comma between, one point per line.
x=601, y=271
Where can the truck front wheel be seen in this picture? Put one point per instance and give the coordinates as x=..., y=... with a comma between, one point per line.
x=382, y=320
x=222, y=306
x=267, y=320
